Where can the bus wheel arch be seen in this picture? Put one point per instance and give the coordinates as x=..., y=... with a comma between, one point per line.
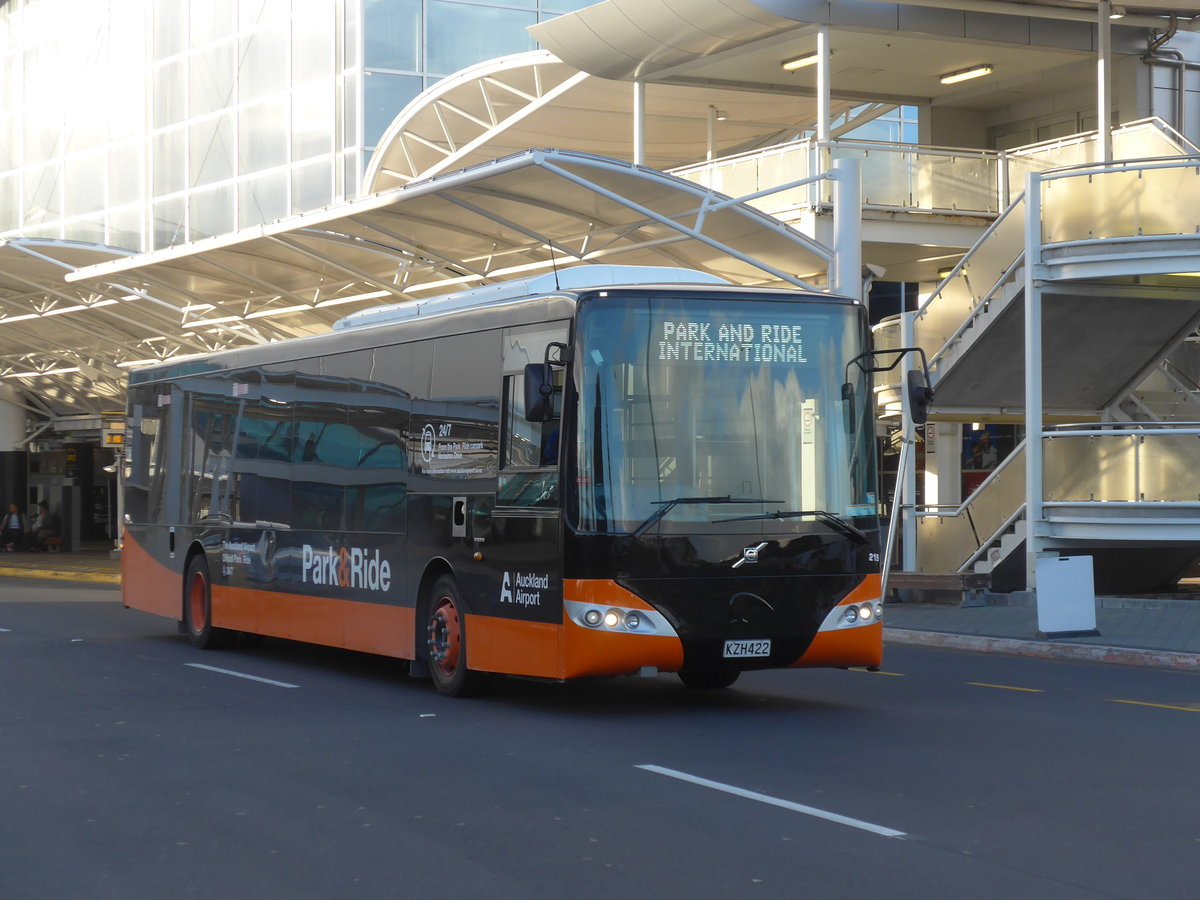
x=442, y=633
x=197, y=603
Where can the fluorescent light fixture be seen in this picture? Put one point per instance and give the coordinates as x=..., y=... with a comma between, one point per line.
x=967, y=74
x=353, y=298
x=280, y=311
x=64, y=371
x=800, y=62
x=1118, y=12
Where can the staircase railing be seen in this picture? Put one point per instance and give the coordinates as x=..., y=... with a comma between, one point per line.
x=951, y=539
x=1144, y=462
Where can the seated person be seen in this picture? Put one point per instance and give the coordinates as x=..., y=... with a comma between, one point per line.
x=13, y=529
x=43, y=525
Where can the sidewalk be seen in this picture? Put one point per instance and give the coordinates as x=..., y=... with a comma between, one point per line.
x=91, y=563
x=1158, y=632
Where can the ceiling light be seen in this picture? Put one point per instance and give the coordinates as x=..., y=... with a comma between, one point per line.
x=353, y=298
x=799, y=62
x=967, y=74
x=1118, y=12
x=64, y=371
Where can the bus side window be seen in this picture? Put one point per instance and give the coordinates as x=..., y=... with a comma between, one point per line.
x=529, y=444
x=143, y=449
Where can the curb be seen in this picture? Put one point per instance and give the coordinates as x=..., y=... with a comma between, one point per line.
x=1123, y=656
x=95, y=576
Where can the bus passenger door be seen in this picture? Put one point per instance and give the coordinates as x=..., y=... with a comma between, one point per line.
x=523, y=550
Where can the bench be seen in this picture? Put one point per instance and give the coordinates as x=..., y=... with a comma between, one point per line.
x=969, y=584
x=54, y=544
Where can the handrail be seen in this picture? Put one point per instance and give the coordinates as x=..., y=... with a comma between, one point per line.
x=1184, y=380
x=1088, y=136
x=979, y=304
x=961, y=508
x=1120, y=165
x=1016, y=516
x=987, y=233
x=842, y=143
x=1107, y=429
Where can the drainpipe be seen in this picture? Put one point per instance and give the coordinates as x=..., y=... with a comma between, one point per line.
x=823, y=89
x=1104, y=79
x=639, y=123
x=1034, y=539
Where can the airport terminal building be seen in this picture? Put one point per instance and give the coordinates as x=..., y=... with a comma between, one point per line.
x=1026, y=212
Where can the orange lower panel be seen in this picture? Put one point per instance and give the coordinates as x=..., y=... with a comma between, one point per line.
x=367, y=627
x=859, y=646
x=513, y=647
x=147, y=584
x=594, y=651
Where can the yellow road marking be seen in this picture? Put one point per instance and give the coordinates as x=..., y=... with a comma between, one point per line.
x=1157, y=705
x=1006, y=687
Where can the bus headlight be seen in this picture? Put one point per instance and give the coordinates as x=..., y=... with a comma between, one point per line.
x=865, y=612
x=850, y=615
x=621, y=620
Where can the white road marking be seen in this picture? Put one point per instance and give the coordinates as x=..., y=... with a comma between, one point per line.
x=282, y=684
x=775, y=801
x=5, y=629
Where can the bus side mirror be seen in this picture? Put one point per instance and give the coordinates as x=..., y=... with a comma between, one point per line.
x=920, y=396
x=848, y=407
x=539, y=392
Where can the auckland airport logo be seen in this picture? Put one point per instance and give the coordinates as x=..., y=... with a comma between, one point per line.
x=523, y=588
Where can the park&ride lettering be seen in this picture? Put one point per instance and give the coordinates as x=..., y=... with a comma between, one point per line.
x=348, y=567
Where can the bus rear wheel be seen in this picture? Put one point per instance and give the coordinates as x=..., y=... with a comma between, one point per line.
x=447, y=643
x=710, y=680
x=197, y=607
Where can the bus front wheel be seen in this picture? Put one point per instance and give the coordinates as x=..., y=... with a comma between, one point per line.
x=447, y=643
x=197, y=606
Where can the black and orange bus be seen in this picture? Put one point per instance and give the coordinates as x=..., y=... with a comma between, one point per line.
x=604, y=471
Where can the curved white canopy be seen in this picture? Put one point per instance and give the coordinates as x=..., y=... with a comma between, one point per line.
x=509, y=104
x=881, y=50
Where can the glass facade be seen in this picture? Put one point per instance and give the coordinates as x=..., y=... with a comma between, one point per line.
x=146, y=123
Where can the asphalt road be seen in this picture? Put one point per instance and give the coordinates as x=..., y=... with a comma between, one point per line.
x=128, y=771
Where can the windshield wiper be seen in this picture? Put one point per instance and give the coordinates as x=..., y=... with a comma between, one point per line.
x=665, y=506
x=835, y=522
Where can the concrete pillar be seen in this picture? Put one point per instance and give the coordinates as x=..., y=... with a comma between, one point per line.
x=12, y=420
x=943, y=464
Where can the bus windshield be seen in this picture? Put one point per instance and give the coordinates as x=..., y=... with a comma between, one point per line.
x=711, y=414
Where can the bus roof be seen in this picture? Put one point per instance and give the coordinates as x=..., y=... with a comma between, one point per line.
x=573, y=278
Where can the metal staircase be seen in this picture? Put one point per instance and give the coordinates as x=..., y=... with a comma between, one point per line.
x=1109, y=257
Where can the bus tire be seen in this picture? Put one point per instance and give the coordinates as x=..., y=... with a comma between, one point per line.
x=197, y=606
x=447, y=643
x=709, y=680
